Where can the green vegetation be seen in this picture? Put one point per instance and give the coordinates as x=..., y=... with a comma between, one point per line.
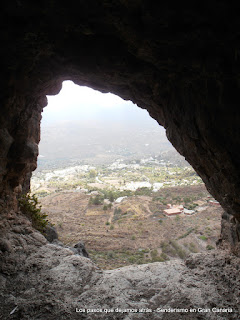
x=179, y=250
x=143, y=192
x=116, y=214
x=204, y=238
x=190, y=230
x=172, y=248
x=42, y=193
x=156, y=258
x=137, y=220
x=191, y=247
x=116, y=258
x=30, y=206
x=92, y=174
x=209, y=247
x=97, y=200
x=191, y=206
x=168, y=175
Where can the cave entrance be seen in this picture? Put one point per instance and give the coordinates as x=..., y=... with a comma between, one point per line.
x=108, y=176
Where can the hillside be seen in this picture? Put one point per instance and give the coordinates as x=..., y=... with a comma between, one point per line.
x=70, y=143
x=136, y=230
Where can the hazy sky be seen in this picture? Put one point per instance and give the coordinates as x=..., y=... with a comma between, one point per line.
x=75, y=103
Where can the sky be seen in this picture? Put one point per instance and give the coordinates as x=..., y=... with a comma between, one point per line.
x=77, y=103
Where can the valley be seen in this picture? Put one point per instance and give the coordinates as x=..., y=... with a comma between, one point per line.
x=117, y=210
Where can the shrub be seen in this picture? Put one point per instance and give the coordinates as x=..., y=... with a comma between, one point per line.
x=156, y=258
x=111, y=197
x=30, y=206
x=110, y=254
x=116, y=214
x=164, y=256
x=187, y=200
x=132, y=259
x=178, y=249
x=117, y=211
x=111, y=227
x=42, y=193
x=107, y=223
x=192, y=248
x=154, y=253
x=92, y=173
x=95, y=200
x=144, y=191
x=105, y=207
x=204, y=238
x=191, y=206
x=209, y=247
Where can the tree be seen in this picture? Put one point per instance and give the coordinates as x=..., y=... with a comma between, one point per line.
x=92, y=173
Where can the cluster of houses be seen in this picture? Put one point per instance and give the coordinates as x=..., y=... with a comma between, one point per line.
x=173, y=210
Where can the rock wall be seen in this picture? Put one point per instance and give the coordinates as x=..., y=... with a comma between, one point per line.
x=39, y=280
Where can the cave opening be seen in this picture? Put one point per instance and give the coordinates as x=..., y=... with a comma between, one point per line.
x=181, y=63
x=108, y=176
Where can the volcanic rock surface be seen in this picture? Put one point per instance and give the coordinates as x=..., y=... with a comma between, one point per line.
x=40, y=280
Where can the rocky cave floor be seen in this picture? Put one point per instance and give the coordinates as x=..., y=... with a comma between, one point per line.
x=39, y=280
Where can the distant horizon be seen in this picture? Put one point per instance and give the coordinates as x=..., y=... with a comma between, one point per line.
x=82, y=104
x=84, y=124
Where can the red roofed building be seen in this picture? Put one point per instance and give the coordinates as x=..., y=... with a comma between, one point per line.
x=173, y=210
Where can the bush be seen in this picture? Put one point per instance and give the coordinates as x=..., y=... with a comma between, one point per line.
x=92, y=173
x=187, y=200
x=97, y=200
x=167, y=249
x=192, y=248
x=30, y=206
x=154, y=253
x=156, y=258
x=107, y=223
x=191, y=206
x=111, y=254
x=117, y=211
x=144, y=191
x=164, y=256
x=179, y=250
x=204, y=238
x=116, y=214
x=105, y=207
x=209, y=247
